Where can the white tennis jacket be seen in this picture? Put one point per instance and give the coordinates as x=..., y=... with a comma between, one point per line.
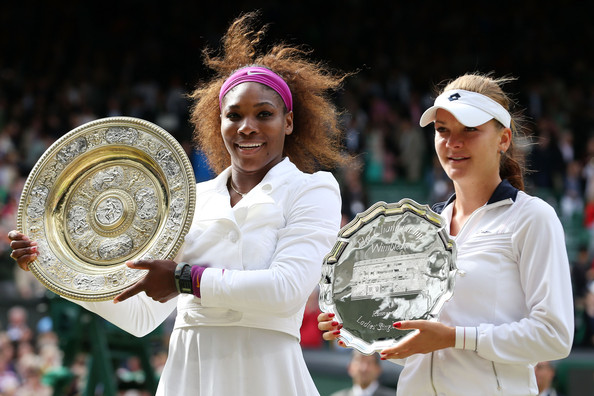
x=512, y=304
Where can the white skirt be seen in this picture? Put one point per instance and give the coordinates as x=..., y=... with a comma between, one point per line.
x=237, y=361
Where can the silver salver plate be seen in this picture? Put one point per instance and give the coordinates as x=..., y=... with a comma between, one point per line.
x=392, y=262
x=109, y=191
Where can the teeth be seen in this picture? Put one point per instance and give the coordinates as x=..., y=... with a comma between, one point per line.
x=248, y=146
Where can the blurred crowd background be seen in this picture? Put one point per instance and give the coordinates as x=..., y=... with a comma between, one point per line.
x=64, y=63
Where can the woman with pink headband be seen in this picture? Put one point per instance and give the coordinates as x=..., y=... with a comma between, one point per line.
x=262, y=227
x=512, y=304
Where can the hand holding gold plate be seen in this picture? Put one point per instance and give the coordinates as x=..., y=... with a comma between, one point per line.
x=109, y=191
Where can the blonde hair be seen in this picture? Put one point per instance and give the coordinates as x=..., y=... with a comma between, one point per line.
x=512, y=165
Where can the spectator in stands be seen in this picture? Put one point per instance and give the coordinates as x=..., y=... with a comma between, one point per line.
x=585, y=320
x=588, y=176
x=547, y=161
x=132, y=378
x=545, y=376
x=9, y=380
x=582, y=274
x=365, y=371
x=354, y=196
x=411, y=145
x=571, y=203
x=31, y=374
x=512, y=303
x=18, y=329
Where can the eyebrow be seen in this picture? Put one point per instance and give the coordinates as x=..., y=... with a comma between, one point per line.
x=259, y=104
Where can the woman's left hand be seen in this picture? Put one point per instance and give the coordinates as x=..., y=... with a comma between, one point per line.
x=430, y=337
x=159, y=282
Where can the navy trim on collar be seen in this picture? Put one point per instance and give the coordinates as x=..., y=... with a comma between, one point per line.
x=440, y=206
x=503, y=191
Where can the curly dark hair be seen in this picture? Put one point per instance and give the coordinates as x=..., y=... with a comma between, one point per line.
x=316, y=139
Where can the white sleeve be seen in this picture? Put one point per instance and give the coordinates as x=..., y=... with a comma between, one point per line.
x=312, y=224
x=547, y=332
x=138, y=315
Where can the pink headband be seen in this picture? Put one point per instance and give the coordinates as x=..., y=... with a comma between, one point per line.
x=260, y=75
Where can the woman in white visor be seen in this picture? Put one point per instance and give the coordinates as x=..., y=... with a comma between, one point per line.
x=512, y=304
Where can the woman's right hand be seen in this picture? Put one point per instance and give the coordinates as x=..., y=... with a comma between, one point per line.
x=24, y=251
x=329, y=326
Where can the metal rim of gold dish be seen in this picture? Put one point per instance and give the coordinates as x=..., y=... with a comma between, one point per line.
x=111, y=190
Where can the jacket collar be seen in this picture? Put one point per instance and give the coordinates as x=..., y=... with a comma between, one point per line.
x=503, y=191
x=275, y=176
x=219, y=207
x=280, y=174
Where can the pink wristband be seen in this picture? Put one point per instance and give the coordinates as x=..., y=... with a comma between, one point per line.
x=197, y=271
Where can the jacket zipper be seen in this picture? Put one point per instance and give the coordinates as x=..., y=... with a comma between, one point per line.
x=431, y=375
x=496, y=376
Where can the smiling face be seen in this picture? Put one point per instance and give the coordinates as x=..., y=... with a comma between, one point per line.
x=470, y=154
x=254, y=125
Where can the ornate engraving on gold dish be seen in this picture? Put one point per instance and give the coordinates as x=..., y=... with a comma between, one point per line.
x=112, y=190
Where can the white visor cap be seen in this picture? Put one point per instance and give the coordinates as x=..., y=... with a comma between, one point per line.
x=470, y=108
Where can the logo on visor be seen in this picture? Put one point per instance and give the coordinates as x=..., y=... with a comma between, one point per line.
x=253, y=73
x=453, y=97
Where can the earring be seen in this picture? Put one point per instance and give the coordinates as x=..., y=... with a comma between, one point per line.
x=501, y=152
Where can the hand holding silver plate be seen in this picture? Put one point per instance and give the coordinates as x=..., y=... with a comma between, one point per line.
x=392, y=262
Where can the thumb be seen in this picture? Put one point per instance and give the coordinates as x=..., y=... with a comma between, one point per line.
x=138, y=264
x=14, y=235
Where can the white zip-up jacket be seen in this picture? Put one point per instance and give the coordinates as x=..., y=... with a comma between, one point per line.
x=512, y=304
x=271, y=245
